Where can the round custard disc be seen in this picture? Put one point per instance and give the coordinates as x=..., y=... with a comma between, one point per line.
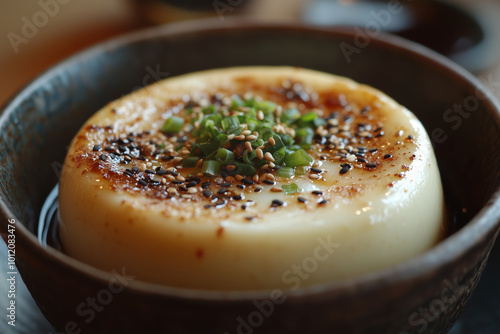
x=371, y=197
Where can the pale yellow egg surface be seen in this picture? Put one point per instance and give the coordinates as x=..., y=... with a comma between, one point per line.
x=145, y=188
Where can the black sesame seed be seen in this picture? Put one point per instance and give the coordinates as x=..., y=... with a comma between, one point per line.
x=222, y=191
x=128, y=173
x=238, y=197
x=207, y=206
x=177, y=182
x=371, y=165
x=143, y=182
x=226, y=185
x=317, y=192
x=109, y=148
x=387, y=156
x=316, y=170
x=122, y=141
x=250, y=218
x=247, y=181
x=224, y=173
x=361, y=160
x=161, y=172
x=302, y=200
x=102, y=157
x=149, y=171
x=410, y=137
x=191, y=184
x=182, y=188
x=258, y=189
x=380, y=134
x=241, y=186
x=269, y=182
x=205, y=184
x=277, y=202
x=207, y=193
x=96, y=148
x=135, y=169
x=195, y=179
x=373, y=150
x=173, y=173
x=323, y=202
x=345, y=168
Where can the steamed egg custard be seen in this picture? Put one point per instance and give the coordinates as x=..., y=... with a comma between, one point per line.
x=250, y=178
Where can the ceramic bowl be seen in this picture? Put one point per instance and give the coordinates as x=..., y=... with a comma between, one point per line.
x=425, y=294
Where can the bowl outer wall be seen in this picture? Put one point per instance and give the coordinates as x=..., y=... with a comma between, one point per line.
x=467, y=247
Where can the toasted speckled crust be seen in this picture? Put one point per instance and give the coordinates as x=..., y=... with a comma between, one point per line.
x=386, y=208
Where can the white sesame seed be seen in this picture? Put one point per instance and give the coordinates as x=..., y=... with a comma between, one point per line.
x=260, y=115
x=269, y=157
x=192, y=190
x=314, y=176
x=276, y=190
x=176, y=160
x=259, y=153
x=246, y=132
x=170, y=177
x=248, y=146
x=251, y=137
x=351, y=158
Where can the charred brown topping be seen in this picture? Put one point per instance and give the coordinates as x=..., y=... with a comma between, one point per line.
x=216, y=152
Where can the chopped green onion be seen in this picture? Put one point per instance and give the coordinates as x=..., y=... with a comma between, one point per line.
x=298, y=158
x=210, y=167
x=173, y=124
x=301, y=170
x=304, y=137
x=291, y=188
x=224, y=156
x=290, y=116
x=231, y=125
x=244, y=169
x=285, y=172
x=190, y=162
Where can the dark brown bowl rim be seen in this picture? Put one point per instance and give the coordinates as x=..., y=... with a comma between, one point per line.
x=487, y=221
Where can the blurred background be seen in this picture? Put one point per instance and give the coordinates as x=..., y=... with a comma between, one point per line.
x=37, y=34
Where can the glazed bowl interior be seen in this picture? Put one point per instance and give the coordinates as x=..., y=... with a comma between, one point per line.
x=38, y=124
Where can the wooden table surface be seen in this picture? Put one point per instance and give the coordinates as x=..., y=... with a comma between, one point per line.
x=36, y=36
